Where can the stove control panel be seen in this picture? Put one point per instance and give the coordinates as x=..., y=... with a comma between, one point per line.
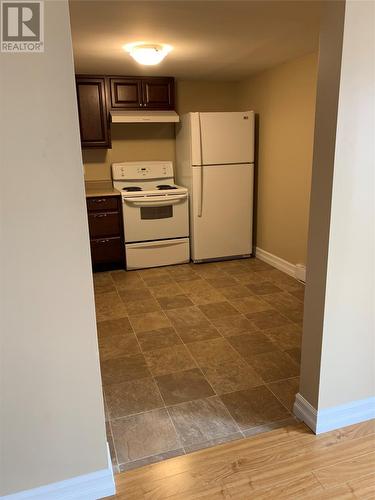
x=142, y=170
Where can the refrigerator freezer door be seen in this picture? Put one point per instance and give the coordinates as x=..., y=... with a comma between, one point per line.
x=222, y=218
x=225, y=138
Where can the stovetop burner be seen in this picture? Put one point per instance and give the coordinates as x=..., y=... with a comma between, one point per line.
x=132, y=188
x=165, y=186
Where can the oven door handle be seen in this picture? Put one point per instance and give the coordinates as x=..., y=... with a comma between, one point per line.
x=154, y=201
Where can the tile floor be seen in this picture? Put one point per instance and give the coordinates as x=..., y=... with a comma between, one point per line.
x=196, y=355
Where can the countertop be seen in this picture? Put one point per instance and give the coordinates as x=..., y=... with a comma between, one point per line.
x=100, y=188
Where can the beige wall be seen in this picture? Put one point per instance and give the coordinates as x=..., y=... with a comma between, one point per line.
x=338, y=352
x=132, y=142
x=52, y=419
x=284, y=99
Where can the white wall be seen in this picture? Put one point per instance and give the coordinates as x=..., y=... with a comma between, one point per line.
x=348, y=352
x=52, y=421
x=338, y=348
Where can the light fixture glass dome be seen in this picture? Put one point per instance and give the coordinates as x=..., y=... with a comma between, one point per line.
x=147, y=53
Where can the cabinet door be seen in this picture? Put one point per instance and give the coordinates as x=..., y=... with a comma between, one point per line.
x=126, y=93
x=93, y=114
x=158, y=93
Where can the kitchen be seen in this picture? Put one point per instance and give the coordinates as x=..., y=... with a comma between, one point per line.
x=199, y=341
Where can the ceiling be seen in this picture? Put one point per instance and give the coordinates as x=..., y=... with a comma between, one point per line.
x=212, y=40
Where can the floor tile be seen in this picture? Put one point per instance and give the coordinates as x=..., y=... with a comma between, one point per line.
x=258, y=265
x=103, y=283
x=230, y=376
x=234, y=325
x=114, y=327
x=295, y=315
x=212, y=352
x=213, y=442
x=143, y=435
x=285, y=391
x=269, y=427
x=118, y=370
x=185, y=316
x=248, y=277
x=109, y=306
x=283, y=301
x=285, y=337
x=201, y=297
x=151, y=272
x=126, y=279
x=134, y=294
x=250, y=304
x=275, y=365
x=200, y=285
x=251, y=344
x=157, y=339
x=180, y=387
x=169, y=360
x=201, y=331
x=142, y=306
x=149, y=321
x=135, y=396
x=160, y=279
x=295, y=354
x=222, y=282
x=117, y=346
x=267, y=319
x=166, y=290
x=218, y=310
x=235, y=292
x=174, y=302
x=253, y=407
x=202, y=420
x=192, y=276
x=299, y=294
x=263, y=288
x=159, y=457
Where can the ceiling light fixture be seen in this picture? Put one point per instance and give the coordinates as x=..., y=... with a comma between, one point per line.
x=147, y=53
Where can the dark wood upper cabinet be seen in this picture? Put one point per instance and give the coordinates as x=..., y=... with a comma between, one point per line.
x=93, y=112
x=98, y=95
x=126, y=93
x=129, y=93
x=158, y=93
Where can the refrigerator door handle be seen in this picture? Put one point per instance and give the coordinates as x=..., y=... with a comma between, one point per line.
x=200, y=193
x=200, y=190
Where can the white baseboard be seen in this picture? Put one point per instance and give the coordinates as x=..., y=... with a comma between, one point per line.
x=92, y=486
x=297, y=271
x=336, y=417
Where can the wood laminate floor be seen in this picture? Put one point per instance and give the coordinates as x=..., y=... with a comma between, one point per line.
x=193, y=356
x=286, y=463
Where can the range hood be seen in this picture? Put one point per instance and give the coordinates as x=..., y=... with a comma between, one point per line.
x=144, y=116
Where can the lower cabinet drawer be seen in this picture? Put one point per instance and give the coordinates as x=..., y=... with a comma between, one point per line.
x=106, y=250
x=104, y=224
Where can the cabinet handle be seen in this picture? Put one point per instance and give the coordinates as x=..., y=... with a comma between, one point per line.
x=103, y=241
x=99, y=215
x=99, y=200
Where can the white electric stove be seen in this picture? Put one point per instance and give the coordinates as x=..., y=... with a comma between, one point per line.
x=155, y=213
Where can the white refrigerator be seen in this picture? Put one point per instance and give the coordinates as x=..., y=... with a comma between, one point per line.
x=215, y=161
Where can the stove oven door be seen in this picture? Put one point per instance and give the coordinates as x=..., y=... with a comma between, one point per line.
x=155, y=217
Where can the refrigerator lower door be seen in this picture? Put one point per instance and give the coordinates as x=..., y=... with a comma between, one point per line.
x=222, y=211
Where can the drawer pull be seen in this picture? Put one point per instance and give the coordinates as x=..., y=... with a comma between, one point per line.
x=98, y=200
x=103, y=241
x=96, y=216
